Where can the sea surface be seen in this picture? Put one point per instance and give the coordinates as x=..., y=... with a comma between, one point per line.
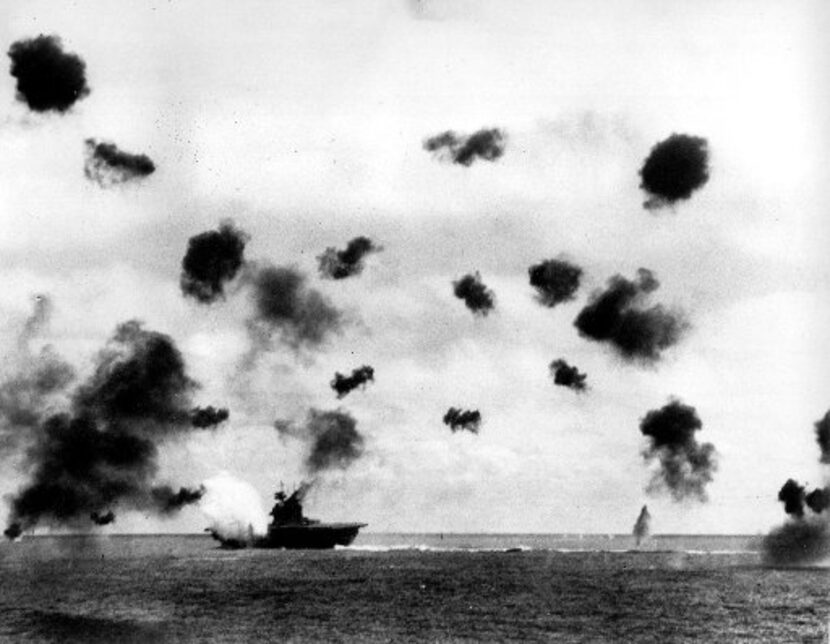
x=408, y=587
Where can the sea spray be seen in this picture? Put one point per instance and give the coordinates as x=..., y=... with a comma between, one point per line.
x=233, y=507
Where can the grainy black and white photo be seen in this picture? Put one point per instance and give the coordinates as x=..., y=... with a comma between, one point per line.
x=415, y=321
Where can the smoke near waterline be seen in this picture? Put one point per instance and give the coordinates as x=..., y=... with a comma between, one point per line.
x=555, y=280
x=685, y=466
x=107, y=165
x=101, y=451
x=339, y=264
x=476, y=296
x=233, y=508
x=566, y=375
x=463, y=149
x=803, y=538
x=463, y=419
x=642, y=527
x=359, y=378
x=48, y=79
x=331, y=438
x=674, y=169
x=620, y=317
x=105, y=518
x=213, y=259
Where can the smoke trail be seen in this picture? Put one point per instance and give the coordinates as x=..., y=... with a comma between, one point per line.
x=485, y=144
x=233, y=508
x=823, y=437
x=565, y=375
x=212, y=260
x=642, y=527
x=47, y=77
x=167, y=501
x=685, y=466
x=103, y=451
x=285, y=305
x=331, y=437
x=466, y=419
x=555, y=281
x=106, y=165
x=477, y=297
x=619, y=317
x=345, y=384
x=33, y=390
x=340, y=264
x=209, y=416
x=674, y=169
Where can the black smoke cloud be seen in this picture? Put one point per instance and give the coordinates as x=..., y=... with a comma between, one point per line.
x=284, y=304
x=167, y=500
x=106, y=165
x=102, y=451
x=47, y=77
x=213, y=259
x=674, y=169
x=358, y=378
x=804, y=537
x=619, y=316
x=485, y=144
x=102, y=518
x=685, y=466
x=823, y=437
x=566, y=375
x=210, y=416
x=331, y=437
x=477, y=297
x=463, y=419
x=339, y=264
x=555, y=280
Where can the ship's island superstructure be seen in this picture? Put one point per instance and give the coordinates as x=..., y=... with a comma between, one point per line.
x=289, y=528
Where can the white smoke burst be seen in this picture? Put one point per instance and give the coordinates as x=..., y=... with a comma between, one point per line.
x=233, y=507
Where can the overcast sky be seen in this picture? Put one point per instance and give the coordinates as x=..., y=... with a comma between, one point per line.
x=304, y=122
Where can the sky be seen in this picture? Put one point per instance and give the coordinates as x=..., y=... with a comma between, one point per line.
x=304, y=124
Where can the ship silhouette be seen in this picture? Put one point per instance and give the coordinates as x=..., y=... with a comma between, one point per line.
x=289, y=528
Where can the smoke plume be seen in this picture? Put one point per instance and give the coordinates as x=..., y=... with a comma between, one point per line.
x=331, y=437
x=167, y=501
x=210, y=416
x=345, y=384
x=102, y=451
x=485, y=144
x=47, y=77
x=555, y=281
x=477, y=297
x=674, y=169
x=339, y=264
x=463, y=419
x=106, y=165
x=642, y=527
x=685, y=466
x=823, y=437
x=285, y=305
x=212, y=260
x=803, y=538
x=105, y=518
x=565, y=375
x=619, y=316
x=36, y=383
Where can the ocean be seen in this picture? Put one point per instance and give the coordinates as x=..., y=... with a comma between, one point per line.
x=408, y=587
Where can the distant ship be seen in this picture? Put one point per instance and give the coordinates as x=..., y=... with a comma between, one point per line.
x=290, y=529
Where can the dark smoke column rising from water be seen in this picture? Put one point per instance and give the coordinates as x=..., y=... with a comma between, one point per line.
x=642, y=527
x=102, y=451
